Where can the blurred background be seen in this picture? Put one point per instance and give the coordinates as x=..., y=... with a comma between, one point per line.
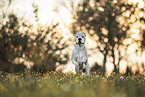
x=38, y=35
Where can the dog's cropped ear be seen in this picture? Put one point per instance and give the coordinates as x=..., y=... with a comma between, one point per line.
x=84, y=33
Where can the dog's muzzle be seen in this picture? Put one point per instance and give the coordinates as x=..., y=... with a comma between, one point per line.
x=79, y=41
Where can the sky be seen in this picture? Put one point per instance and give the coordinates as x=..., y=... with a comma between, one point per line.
x=23, y=8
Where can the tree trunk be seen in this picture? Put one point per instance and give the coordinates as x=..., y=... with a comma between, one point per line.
x=104, y=62
x=115, y=67
x=105, y=58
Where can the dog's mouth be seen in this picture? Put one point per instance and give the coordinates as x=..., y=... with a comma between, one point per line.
x=80, y=42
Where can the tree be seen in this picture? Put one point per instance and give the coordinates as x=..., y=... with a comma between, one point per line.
x=103, y=18
x=41, y=45
x=13, y=44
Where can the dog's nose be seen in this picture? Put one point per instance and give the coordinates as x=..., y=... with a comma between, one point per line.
x=79, y=39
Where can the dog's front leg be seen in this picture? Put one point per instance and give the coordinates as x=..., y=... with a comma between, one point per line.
x=76, y=64
x=77, y=69
x=84, y=65
x=87, y=69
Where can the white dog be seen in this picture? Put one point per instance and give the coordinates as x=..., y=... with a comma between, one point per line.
x=79, y=55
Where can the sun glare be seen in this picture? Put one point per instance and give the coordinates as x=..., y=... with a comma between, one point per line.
x=140, y=3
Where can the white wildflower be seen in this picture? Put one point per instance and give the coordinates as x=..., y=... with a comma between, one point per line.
x=121, y=77
x=97, y=75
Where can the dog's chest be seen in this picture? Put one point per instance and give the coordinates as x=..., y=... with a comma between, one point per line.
x=80, y=55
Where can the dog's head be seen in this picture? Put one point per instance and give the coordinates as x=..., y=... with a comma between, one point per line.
x=80, y=38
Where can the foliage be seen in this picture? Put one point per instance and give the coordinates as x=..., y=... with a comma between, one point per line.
x=57, y=84
x=13, y=44
x=22, y=42
x=103, y=20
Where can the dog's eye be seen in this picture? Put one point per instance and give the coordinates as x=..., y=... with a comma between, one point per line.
x=76, y=36
x=82, y=36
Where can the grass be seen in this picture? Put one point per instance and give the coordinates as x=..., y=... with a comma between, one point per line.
x=57, y=84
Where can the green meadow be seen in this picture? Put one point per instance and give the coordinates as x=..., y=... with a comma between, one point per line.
x=57, y=84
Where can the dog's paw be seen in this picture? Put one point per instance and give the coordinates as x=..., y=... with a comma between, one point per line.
x=84, y=65
x=81, y=71
x=84, y=59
